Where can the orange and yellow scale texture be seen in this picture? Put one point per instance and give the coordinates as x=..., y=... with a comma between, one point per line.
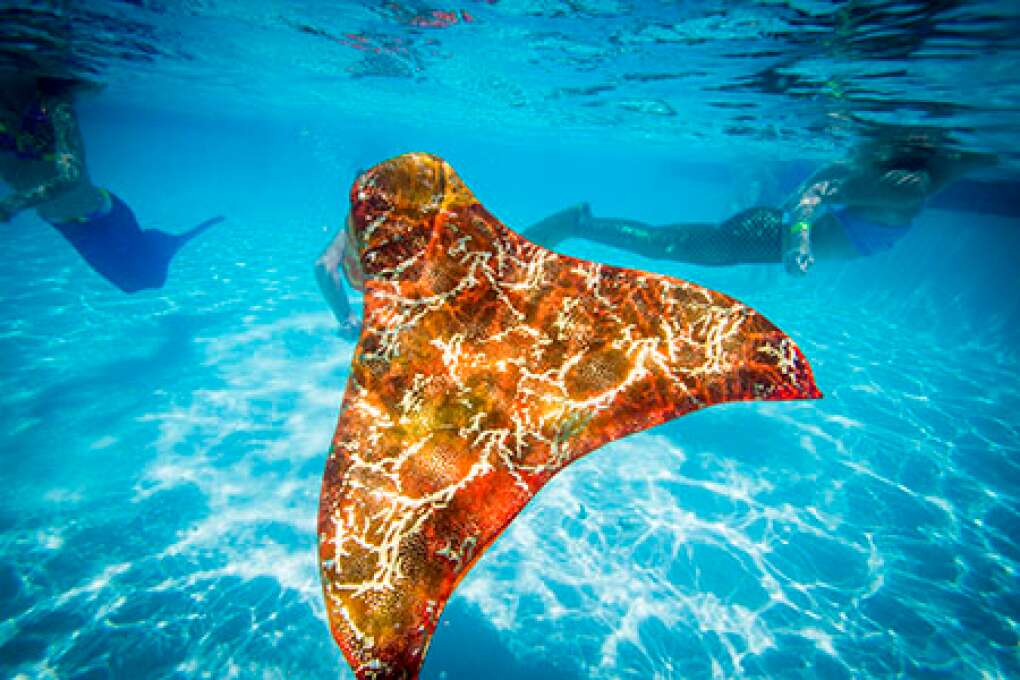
x=487, y=364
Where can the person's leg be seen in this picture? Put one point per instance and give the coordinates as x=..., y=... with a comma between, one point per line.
x=752, y=236
x=578, y=222
x=558, y=227
x=639, y=237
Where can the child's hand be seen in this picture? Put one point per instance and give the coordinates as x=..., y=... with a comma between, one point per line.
x=798, y=261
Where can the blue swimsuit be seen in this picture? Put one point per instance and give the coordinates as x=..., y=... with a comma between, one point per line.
x=867, y=236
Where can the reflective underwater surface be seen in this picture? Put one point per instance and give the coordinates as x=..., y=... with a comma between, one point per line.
x=163, y=451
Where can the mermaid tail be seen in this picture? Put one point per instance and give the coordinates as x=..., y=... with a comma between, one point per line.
x=175, y=242
x=119, y=250
x=487, y=364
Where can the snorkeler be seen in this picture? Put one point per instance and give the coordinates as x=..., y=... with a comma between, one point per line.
x=42, y=158
x=845, y=210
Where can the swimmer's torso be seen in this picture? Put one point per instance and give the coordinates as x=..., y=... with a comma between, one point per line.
x=31, y=157
x=27, y=144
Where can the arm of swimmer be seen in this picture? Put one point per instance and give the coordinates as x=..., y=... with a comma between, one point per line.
x=330, y=280
x=68, y=162
x=817, y=193
x=801, y=211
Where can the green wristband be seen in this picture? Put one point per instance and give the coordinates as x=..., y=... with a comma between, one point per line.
x=800, y=227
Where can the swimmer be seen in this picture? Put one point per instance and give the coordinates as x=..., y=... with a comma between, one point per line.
x=42, y=159
x=845, y=210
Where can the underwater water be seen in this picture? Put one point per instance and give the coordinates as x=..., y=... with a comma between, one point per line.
x=163, y=451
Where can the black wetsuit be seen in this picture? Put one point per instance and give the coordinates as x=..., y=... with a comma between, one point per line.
x=751, y=236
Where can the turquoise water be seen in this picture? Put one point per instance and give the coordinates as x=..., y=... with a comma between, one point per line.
x=163, y=451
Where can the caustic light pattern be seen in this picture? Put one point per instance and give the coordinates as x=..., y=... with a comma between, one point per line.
x=486, y=364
